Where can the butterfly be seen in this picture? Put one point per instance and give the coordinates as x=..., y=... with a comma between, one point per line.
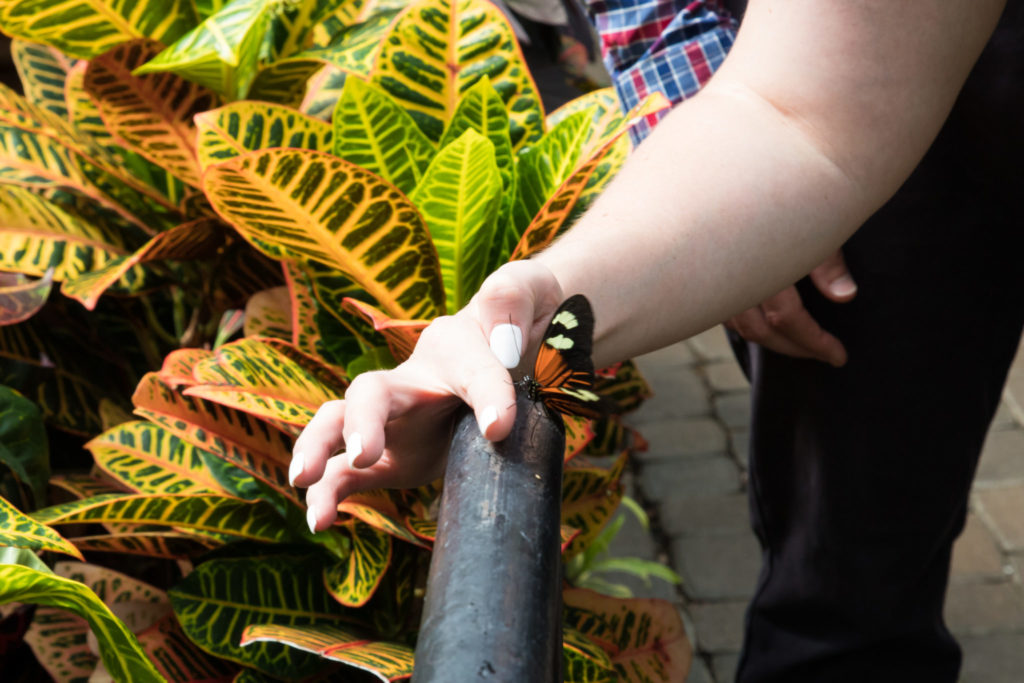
x=563, y=375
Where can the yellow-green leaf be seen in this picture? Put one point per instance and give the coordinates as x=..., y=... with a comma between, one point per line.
x=378, y=510
x=301, y=204
x=373, y=132
x=438, y=49
x=459, y=198
x=91, y=27
x=42, y=70
x=268, y=313
x=170, y=545
x=354, y=580
x=583, y=661
x=589, y=498
x=21, y=531
x=388, y=661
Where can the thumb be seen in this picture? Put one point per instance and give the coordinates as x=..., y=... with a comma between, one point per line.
x=833, y=279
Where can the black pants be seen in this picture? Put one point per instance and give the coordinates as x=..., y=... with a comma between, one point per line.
x=859, y=476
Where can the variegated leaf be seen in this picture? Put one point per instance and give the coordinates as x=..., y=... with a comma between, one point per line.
x=291, y=27
x=24, y=451
x=544, y=167
x=583, y=661
x=323, y=89
x=611, y=436
x=353, y=581
x=387, y=661
x=459, y=198
x=269, y=314
x=301, y=204
x=624, y=385
x=170, y=545
x=256, y=521
x=18, y=530
x=178, y=658
x=284, y=81
x=179, y=366
x=87, y=29
x=372, y=131
x=21, y=298
x=344, y=334
x=148, y=459
x=438, y=49
x=152, y=113
x=221, y=53
x=217, y=601
x=350, y=14
x=58, y=639
x=268, y=378
x=354, y=48
x=83, y=485
x=378, y=510
x=242, y=127
x=42, y=70
x=589, y=498
x=578, y=433
x=644, y=638
x=120, y=650
x=401, y=335
x=186, y=241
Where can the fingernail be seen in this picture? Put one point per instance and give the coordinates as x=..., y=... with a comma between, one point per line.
x=506, y=344
x=311, y=520
x=487, y=418
x=295, y=469
x=353, y=448
x=843, y=286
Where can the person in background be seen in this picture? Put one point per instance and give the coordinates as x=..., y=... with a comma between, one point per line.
x=783, y=163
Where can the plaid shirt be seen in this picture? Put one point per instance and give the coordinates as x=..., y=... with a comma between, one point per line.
x=671, y=46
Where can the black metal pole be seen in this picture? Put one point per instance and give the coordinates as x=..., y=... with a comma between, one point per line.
x=493, y=608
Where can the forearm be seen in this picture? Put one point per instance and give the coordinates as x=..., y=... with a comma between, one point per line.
x=807, y=128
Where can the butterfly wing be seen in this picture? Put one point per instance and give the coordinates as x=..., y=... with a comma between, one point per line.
x=564, y=370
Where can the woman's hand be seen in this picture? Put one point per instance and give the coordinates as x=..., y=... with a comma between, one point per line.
x=394, y=425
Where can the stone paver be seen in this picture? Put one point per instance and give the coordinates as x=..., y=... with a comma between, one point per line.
x=693, y=478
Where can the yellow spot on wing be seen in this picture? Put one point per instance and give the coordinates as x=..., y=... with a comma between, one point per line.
x=566, y=319
x=560, y=342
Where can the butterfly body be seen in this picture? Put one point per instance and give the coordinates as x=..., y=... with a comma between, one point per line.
x=563, y=377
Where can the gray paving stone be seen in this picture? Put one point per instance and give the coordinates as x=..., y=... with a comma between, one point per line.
x=724, y=667
x=689, y=478
x=719, y=626
x=678, y=392
x=993, y=659
x=671, y=356
x=733, y=409
x=633, y=541
x=705, y=516
x=739, y=446
x=717, y=567
x=984, y=608
x=976, y=556
x=1002, y=458
x=682, y=437
x=1003, y=418
x=725, y=376
x=699, y=672
x=711, y=345
x=1013, y=395
x=1003, y=510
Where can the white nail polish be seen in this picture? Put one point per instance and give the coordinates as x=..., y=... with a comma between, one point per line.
x=353, y=448
x=507, y=344
x=487, y=418
x=295, y=469
x=311, y=520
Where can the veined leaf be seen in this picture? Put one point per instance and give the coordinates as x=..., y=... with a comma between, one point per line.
x=87, y=29
x=83, y=485
x=21, y=531
x=643, y=637
x=21, y=298
x=438, y=49
x=373, y=132
x=323, y=89
x=354, y=48
x=401, y=335
x=459, y=198
x=221, y=53
x=211, y=513
x=38, y=236
x=177, y=657
x=222, y=597
x=578, y=433
x=179, y=366
x=376, y=509
x=291, y=27
x=242, y=127
x=284, y=81
x=186, y=241
x=583, y=661
x=301, y=204
x=170, y=545
x=350, y=14
x=386, y=660
x=148, y=459
x=624, y=385
x=354, y=580
x=589, y=498
x=268, y=378
x=42, y=70
x=151, y=113
x=268, y=314
x=119, y=649
x=23, y=450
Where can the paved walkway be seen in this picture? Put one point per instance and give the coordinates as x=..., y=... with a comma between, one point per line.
x=694, y=476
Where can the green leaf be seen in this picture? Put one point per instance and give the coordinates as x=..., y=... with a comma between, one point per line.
x=21, y=531
x=222, y=597
x=546, y=165
x=354, y=580
x=583, y=661
x=372, y=131
x=222, y=53
x=42, y=70
x=23, y=446
x=120, y=650
x=459, y=198
x=91, y=27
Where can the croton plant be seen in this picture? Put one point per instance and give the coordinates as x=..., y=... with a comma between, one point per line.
x=245, y=204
